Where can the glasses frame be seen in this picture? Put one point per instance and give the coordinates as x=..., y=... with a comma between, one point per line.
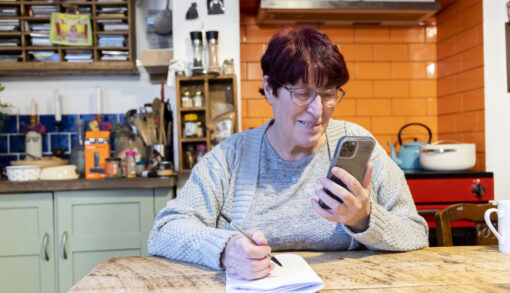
x=315, y=93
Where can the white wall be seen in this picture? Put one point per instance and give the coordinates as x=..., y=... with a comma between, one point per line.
x=497, y=99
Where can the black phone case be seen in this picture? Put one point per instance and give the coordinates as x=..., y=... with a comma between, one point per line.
x=356, y=165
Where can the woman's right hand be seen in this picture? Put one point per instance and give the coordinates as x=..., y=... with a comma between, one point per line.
x=244, y=260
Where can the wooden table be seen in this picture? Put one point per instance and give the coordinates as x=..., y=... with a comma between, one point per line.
x=438, y=269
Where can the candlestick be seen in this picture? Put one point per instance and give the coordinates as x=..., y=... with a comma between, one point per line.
x=58, y=106
x=33, y=108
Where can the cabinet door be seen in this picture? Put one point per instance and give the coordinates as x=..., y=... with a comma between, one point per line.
x=161, y=197
x=27, y=262
x=95, y=225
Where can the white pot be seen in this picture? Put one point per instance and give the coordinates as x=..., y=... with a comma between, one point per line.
x=22, y=173
x=448, y=157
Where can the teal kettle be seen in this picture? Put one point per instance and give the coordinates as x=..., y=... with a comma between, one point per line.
x=409, y=153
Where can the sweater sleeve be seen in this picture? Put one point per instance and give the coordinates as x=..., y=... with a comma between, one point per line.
x=394, y=223
x=186, y=229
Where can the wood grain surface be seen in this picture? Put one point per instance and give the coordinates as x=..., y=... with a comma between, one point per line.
x=438, y=269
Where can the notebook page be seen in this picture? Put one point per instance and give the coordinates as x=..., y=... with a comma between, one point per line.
x=295, y=276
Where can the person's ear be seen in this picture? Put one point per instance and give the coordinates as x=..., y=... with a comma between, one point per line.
x=268, y=90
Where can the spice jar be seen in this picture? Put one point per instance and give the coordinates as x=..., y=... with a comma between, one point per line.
x=200, y=129
x=112, y=167
x=228, y=66
x=130, y=164
x=201, y=149
x=198, y=99
x=190, y=125
x=186, y=101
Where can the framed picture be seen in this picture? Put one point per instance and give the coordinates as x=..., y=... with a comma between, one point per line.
x=70, y=29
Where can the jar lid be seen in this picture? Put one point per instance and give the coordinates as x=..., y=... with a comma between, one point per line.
x=130, y=153
x=198, y=93
x=201, y=147
x=190, y=116
x=186, y=93
x=113, y=159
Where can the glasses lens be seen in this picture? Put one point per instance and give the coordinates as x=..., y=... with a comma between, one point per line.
x=301, y=96
x=304, y=96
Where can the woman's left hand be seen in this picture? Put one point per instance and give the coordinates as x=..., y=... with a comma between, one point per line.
x=355, y=210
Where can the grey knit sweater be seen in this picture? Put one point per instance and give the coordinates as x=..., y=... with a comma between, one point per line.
x=189, y=227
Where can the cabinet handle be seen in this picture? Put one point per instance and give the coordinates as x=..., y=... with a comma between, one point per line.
x=45, y=246
x=64, y=242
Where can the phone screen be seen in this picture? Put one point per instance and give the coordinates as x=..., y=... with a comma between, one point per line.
x=352, y=154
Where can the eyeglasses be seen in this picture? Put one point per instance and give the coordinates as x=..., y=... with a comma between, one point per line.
x=303, y=96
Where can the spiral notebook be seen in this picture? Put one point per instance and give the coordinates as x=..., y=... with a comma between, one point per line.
x=295, y=276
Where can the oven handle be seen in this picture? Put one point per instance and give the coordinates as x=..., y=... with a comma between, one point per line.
x=431, y=211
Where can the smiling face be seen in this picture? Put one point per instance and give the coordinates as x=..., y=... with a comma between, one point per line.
x=298, y=127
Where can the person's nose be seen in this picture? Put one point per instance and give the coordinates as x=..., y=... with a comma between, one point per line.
x=316, y=106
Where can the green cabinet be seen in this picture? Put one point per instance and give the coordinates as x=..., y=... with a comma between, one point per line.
x=49, y=241
x=27, y=260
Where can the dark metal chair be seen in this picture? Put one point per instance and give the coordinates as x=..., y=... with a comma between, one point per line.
x=469, y=212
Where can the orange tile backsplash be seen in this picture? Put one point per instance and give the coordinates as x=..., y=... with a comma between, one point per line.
x=430, y=74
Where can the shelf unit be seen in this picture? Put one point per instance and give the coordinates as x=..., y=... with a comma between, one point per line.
x=217, y=90
x=26, y=66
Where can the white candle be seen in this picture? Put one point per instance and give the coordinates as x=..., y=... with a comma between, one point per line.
x=33, y=108
x=58, y=106
x=99, y=100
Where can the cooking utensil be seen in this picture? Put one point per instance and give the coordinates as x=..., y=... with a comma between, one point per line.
x=142, y=130
x=448, y=157
x=163, y=21
x=409, y=153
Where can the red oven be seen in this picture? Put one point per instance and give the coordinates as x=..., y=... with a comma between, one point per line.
x=433, y=191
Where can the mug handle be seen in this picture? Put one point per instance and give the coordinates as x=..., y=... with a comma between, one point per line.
x=487, y=218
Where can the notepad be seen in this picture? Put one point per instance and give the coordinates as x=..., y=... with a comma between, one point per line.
x=295, y=276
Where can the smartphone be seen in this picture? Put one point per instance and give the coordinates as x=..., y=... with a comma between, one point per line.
x=352, y=154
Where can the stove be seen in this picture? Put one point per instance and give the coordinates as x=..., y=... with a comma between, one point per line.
x=433, y=191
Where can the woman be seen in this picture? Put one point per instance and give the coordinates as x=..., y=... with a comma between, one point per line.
x=269, y=179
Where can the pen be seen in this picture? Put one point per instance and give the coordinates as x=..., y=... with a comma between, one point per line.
x=247, y=236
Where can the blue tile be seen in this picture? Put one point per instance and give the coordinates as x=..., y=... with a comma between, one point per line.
x=46, y=143
x=111, y=118
x=17, y=144
x=121, y=118
x=10, y=124
x=49, y=122
x=24, y=118
x=68, y=123
x=6, y=159
x=59, y=140
x=3, y=144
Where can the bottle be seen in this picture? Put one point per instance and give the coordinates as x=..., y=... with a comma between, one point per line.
x=201, y=149
x=186, y=101
x=198, y=99
x=190, y=125
x=130, y=164
x=200, y=129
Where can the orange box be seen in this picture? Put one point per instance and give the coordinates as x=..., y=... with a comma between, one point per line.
x=97, y=150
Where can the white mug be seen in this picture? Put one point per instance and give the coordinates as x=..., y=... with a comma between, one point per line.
x=503, y=236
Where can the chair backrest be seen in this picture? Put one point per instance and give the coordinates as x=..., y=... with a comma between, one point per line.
x=469, y=212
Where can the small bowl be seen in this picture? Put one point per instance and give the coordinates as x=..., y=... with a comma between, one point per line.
x=23, y=173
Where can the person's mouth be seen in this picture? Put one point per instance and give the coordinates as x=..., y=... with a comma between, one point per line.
x=309, y=123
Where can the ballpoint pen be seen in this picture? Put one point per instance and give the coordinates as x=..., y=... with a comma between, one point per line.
x=247, y=236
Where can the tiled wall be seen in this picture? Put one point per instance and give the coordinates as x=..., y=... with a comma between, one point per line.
x=460, y=82
x=12, y=140
x=393, y=77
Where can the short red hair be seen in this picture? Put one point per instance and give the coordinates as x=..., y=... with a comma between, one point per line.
x=303, y=54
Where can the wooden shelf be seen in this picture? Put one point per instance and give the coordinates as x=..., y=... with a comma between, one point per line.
x=216, y=89
x=28, y=67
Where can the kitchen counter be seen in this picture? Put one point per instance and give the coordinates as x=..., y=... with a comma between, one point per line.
x=83, y=184
x=445, y=269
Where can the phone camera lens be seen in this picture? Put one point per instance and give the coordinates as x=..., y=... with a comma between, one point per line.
x=348, y=149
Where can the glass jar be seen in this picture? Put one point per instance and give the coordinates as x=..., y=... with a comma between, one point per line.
x=228, y=66
x=190, y=125
x=130, y=164
x=198, y=99
x=186, y=101
x=112, y=167
x=189, y=156
x=200, y=129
